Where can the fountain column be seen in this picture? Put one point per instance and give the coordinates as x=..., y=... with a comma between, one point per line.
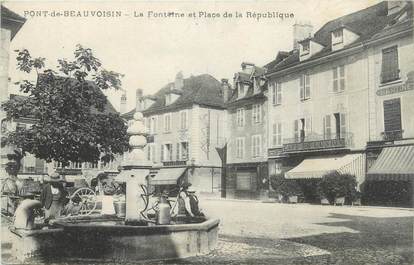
x=135, y=169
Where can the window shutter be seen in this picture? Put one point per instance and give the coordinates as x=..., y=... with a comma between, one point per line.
x=149, y=152
x=296, y=129
x=162, y=152
x=259, y=145
x=327, y=126
x=253, y=145
x=389, y=64
x=274, y=134
x=307, y=86
x=302, y=88
x=342, y=77
x=308, y=125
x=279, y=132
x=343, y=124
x=279, y=94
x=273, y=94
x=392, y=115
x=178, y=151
x=335, y=79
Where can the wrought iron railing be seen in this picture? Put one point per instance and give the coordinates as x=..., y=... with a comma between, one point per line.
x=315, y=142
x=392, y=135
x=174, y=163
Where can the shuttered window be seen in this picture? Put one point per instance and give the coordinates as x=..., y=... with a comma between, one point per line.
x=276, y=93
x=184, y=119
x=178, y=151
x=151, y=152
x=277, y=134
x=240, y=117
x=256, y=145
x=296, y=130
x=392, y=115
x=167, y=122
x=327, y=129
x=240, y=147
x=256, y=113
x=389, y=69
x=338, y=78
x=305, y=87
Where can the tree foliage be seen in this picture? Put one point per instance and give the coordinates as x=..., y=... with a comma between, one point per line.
x=285, y=187
x=72, y=120
x=334, y=185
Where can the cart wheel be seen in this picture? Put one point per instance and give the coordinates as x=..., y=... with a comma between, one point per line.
x=87, y=200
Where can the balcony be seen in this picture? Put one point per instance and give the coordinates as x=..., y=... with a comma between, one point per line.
x=176, y=163
x=390, y=76
x=392, y=135
x=316, y=142
x=277, y=151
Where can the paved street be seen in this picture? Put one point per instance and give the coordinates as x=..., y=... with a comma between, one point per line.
x=271, y=233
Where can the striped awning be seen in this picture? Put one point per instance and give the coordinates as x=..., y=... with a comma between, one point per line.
x=394, y=163
x=167, y=176
x=317, y=167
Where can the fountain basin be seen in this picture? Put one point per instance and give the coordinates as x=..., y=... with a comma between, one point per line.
x=108, y=239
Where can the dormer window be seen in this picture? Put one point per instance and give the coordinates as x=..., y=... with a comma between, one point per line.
x=306, y=47
x=337, y=36
x=167, y=99
x=242, y=89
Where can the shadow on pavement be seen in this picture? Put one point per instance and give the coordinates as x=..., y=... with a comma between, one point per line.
x=377, y=240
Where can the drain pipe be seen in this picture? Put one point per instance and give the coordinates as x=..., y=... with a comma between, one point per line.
x=24, y=215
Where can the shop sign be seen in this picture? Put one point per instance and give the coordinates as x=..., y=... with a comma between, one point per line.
x=409, y=85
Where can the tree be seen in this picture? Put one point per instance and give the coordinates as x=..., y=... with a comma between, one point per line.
x=72, y=122
x=335, y=185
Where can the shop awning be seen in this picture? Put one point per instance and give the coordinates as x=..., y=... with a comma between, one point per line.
x=394, y=163
x=167, y=176
x=317, y=167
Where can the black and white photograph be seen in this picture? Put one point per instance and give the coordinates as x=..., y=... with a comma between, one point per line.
x=207, y=132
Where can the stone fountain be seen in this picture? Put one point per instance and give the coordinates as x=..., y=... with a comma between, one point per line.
x=103, y=237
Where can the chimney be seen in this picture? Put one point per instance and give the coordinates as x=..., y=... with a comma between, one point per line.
x=122, y=108
x=138, y=98
x=301, y=31
x=395, y=6
x=247, y=67
x=179, y=81
x=225, y=87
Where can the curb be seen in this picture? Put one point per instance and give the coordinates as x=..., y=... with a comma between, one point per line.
x=308, y=204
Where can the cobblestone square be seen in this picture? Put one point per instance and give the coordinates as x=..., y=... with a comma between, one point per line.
x=253, y=232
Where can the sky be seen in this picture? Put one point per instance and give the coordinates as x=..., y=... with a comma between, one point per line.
x=150, y=51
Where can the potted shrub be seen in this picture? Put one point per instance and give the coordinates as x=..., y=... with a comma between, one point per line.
x=290, y=189
x=337, y=188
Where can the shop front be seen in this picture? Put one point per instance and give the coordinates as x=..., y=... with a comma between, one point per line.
x=390, y=180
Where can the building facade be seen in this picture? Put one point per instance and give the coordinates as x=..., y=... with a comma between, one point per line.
x=11, y=23
x=390, y=149
x=186, y=123
x=246, y=169
x=325, y=98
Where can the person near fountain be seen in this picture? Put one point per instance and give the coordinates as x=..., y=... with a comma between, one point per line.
x=53, y=196
x=188, y=202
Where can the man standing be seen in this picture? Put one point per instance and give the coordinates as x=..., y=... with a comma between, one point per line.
x=53, y=196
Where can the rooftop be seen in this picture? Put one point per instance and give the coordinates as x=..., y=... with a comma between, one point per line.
x=203, y=90
x=11, y=20
x=369, y=23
